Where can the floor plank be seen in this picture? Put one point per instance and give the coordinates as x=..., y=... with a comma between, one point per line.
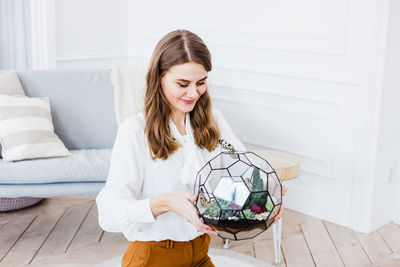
x=295, y=247
x=264, y=250
x=86, y=256
x=216, y=242
x=108, y=235
x=60, y=238
x=348, y=246
x=243, y=246
x=29, y=243
x=391, y=235
x=11, y=231
x=294, y=217
x=392, y=260
x=322, y=249
x=90, y=231
x=374, y=245
x=5, y=217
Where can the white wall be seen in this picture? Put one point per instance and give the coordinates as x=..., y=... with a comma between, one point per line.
x=383, y=204
x=386, y=200
x=91, y=34
x=291, y=76
x=304, y=77
x=396, y=209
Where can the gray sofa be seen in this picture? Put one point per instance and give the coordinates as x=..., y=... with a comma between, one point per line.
x=82, y=107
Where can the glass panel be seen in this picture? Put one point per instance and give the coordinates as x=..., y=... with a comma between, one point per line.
x=204, y=202
x=275, y=188
x=275, y=211
x=255, y=179
x=242, y=157
x=214, y=177
x=251, y=231
x=201, y=177
x=224, y=160
x=238, y=168
x=227, y=235
x=269, y=222
x=259, y=162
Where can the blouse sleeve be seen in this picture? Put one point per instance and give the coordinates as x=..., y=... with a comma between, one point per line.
x=119, y=203
x=226, y=132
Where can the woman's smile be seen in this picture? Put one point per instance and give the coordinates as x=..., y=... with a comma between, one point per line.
x=189, y=102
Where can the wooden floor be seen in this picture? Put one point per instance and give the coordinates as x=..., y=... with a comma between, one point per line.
x=64, y=231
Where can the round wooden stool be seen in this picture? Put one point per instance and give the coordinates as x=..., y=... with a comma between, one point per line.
x=286, y=166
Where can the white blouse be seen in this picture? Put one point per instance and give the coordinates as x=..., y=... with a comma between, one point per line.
x=134, y=178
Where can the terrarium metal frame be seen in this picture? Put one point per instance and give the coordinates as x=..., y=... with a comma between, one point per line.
x=225, y=204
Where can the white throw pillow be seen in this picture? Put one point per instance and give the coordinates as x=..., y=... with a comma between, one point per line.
x=10, y=85
x=26, y=129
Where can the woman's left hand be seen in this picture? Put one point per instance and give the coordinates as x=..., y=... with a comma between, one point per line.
x=278, y=216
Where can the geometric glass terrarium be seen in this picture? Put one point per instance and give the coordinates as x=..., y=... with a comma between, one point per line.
x=238, y=193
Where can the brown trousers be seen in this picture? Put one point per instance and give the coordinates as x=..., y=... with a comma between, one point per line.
x=168, y=253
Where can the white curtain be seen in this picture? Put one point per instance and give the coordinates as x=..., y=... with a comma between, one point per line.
x=15, y=34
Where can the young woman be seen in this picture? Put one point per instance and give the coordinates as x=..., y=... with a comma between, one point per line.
x=156, y=155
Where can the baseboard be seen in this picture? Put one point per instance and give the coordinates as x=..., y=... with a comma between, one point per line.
x=319, y=205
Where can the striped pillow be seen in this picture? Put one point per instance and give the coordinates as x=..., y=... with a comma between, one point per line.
x=10, y=85
x=26, y=129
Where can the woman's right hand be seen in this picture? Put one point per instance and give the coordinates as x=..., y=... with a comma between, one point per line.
x=181, y=202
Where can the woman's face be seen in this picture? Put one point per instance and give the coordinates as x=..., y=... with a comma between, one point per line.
x=183, y=85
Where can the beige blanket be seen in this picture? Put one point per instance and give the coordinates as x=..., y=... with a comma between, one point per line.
x=129, y=89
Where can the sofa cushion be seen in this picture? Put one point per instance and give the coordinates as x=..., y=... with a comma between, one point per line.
x=51, y=189
x=26, y=129
x=86, y=165
x=82, y=104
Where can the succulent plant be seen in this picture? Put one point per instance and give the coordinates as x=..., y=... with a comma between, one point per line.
x=212, y=209
x=269, y=205
x=248, y=213
x=257, y=184
x=258, y=209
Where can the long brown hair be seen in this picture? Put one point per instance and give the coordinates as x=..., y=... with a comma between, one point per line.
x=177, y=47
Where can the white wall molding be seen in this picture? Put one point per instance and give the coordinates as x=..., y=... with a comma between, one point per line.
x=329, y=100
x=43, y=34
x=291, y=76
x=285, y=75
x=328, y=41
x=323, y=121
x=248, y=96
x=96, y=56
x=325, y=44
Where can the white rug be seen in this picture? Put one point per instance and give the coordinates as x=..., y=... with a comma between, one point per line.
x=220, y=258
